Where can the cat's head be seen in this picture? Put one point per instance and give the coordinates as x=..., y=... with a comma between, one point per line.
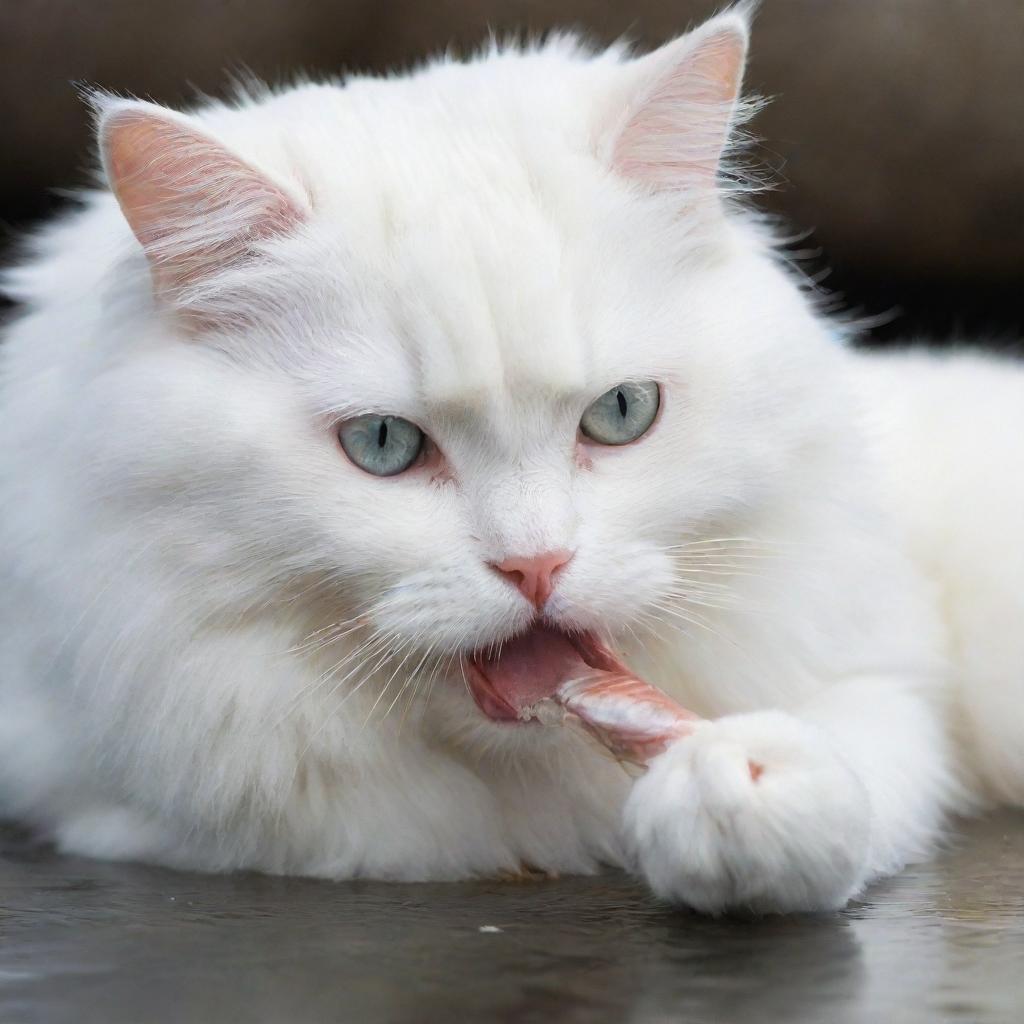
x=433, y=361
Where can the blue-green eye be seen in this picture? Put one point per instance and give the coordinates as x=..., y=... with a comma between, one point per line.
x=622, y=414
x=382, y=445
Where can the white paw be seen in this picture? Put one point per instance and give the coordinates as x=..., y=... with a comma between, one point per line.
x=752, y=812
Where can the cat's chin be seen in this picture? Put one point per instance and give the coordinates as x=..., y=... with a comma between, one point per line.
x=508, y=679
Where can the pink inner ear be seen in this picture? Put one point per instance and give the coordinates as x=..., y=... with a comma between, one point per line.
x=194, y=206
x=676, y=133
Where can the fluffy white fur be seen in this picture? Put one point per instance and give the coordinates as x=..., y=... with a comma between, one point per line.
x=224, y=646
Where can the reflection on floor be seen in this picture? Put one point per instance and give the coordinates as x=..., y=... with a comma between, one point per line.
x=96, y=943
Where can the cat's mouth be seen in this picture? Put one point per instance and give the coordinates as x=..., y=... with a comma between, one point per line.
x=532, y=666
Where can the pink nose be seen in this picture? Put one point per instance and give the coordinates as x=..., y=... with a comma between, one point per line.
x=533, y=575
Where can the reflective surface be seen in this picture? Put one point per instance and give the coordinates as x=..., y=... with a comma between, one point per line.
x=89, y=942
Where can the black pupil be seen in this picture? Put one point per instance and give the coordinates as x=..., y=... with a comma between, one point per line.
x=622, y=403
x=382, y=434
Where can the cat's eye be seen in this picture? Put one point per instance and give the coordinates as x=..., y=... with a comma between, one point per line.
x=622, y=414
x=382, y=445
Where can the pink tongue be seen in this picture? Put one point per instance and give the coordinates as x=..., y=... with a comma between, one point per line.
x=526, y=670
x=630, y=718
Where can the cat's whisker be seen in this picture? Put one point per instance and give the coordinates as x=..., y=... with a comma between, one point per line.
x=404, y=686
x=717, y=600
x=692, y=618
x=415, y=674
x=657, y=624
x=723, y=567
x=743, y=551
x=364, y=651
x=685, y=584
x=385, y=689
x=442, y=668
x=381, y=658
x=323, y=638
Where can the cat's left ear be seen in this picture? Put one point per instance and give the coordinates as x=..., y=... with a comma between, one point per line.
x=195, y=206
x=680, y=106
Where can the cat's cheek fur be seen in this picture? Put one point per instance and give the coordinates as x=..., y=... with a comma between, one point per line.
x=706, y=831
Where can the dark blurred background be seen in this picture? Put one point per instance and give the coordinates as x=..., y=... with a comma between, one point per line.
x=896, y=130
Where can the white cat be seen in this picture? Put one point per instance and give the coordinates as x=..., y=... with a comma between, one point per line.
x=348, y=405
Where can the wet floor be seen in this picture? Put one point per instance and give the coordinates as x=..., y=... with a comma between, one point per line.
x=95, y=943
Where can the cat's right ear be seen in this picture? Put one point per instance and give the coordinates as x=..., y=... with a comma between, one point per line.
x=680, y=105
x=194, y=206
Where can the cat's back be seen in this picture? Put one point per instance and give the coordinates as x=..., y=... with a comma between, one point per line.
x=949, y=427
x=949, y=433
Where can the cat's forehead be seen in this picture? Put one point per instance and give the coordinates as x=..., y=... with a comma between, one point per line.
x=490, y=308
x=487, y=303
x=483, y=257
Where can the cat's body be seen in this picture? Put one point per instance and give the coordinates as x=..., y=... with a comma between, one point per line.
x=226, y=646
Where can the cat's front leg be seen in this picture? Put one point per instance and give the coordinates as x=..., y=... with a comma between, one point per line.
x=774, y=812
